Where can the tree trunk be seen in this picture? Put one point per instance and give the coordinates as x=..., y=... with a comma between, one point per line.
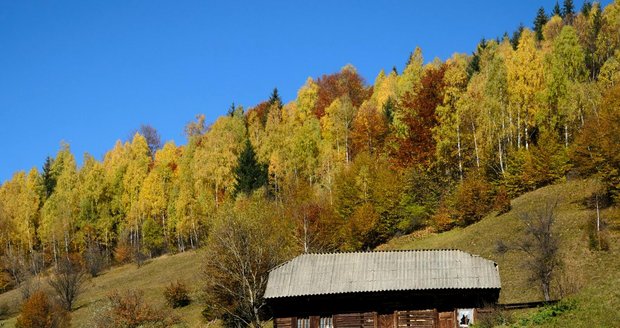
x=473, y=130
x=525, y=138
x=518, y=129
x=55, y=250
x=195, y=232
x=163, y=223
x=598, y=217
x=511, y=138
x=216, y=197
x=66, y=245
x=546, y=291
x=458, y=147
x=499, y=152
x=305, y=233
x=191, y=240
x=346, y=145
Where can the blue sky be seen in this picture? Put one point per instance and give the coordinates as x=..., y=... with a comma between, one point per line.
x=89, y=72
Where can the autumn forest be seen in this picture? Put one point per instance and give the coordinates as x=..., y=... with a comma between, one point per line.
x=348, y=164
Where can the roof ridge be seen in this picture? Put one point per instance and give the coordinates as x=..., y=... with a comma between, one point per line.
x=384, y=251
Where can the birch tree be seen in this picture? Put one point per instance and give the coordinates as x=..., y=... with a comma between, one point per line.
x=525, y=81
x=139, y=161
x=566, y=72
x=60, y=211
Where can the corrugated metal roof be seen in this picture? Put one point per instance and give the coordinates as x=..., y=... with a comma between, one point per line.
x=316, y=274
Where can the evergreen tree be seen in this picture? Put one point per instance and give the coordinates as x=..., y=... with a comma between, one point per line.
x=568, y=11
x=49, y=178
x=516, y=35
x=249, y=174
x=586, y=8
x=274, y=102
x=388, y=110
x=474, y=65
x=275, y=98
x=235, y=111
x=556, y=10
x=539, y=23
x=410, y=59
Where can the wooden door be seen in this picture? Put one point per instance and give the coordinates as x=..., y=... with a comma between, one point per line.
x=314, y=322
x=355, y=320
x=447, y=320
x=385, y=320
x=417, y=319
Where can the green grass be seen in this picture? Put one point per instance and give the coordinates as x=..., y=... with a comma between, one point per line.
x=593, y=276
x=590, y=278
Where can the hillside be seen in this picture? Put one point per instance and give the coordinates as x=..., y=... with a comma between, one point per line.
x=594, y=275
x=347, y=164
x=151, y=278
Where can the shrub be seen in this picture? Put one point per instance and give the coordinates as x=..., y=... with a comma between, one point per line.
x=67, y=281
x=549, y=313
x=128, y=309
x=176, y=295
x=123, y=253
x=29, y=287
x=39, y=311
x=442, y=220
x=472, y=200
x=502, y=201
x=493, y=317
x=138, y=256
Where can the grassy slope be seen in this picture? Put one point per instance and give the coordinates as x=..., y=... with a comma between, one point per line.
x=151, y=278
x=594, y=275
x=597, y=274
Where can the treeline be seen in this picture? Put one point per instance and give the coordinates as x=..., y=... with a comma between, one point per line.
x=346, y=165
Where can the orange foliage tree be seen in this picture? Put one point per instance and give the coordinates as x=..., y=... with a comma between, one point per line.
x=596, y=148
x=39, y=311
x=347, y=82
x=419, y=116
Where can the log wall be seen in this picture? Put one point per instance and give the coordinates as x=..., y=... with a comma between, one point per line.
x=398, y=319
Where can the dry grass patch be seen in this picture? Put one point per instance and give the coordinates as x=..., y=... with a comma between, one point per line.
x=480, y=238
x=152, y=278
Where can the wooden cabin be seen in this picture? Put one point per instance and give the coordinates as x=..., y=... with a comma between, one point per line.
x=386, y=289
